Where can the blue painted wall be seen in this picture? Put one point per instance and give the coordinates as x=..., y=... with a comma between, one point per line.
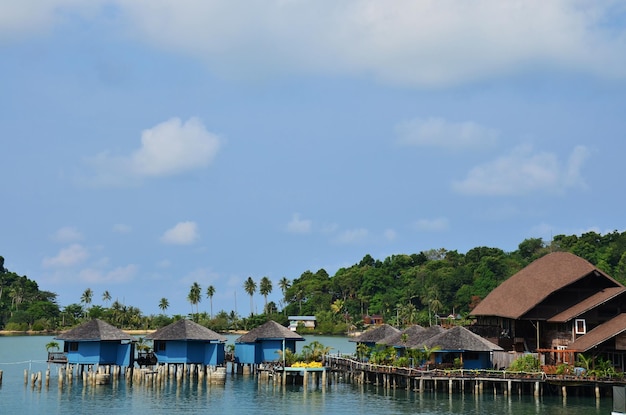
x=263, y=351
x=198, y=352
x=96, y=352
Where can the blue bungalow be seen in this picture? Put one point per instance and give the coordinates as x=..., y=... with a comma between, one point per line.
x=97, y=342
x=187, y=342
x=262, y=343
x=473, y=351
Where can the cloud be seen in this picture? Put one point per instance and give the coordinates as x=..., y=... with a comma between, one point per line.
x=67, y=257
x=390, y=234
x=68, y=234
x=437, y=132
x=184, y=233
x=121, y=228
x=117, y=275
x=169, y=148
x=432, y=225
x=352, y=236
x=524, y=171
x=297, y=225
x=414, y=43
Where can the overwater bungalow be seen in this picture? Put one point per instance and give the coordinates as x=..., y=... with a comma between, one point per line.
x=97, y=343
x=262, y=344
x=400, y=339
x=557, y=305
x=373, y=335
x=471, y=350
x=185, y=341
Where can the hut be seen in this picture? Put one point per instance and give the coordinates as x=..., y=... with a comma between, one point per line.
x=372, y=336
x=188, y=342
x=262, y=343
x=97, y=342
x=471, y=350
x=400, y=339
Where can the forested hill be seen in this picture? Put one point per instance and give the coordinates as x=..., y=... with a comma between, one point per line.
x=416, y=287
x=404, y=288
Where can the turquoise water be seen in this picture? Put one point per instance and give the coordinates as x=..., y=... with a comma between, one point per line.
x=245, y=395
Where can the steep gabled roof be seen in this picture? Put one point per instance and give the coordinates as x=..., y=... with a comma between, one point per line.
x=531, y=285
x=186, y=330
x=269, y=331
x=600, y=334
x=418, y=340
x=376, y=334
x=595, y=300
x=461, y=339
x=396, y=338
x=95, y=330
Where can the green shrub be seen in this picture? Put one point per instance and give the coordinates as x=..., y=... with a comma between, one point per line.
x=526, y=363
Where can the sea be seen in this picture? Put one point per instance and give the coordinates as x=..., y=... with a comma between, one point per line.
x=245, y=395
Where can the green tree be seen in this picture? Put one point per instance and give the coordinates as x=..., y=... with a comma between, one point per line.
x=194, y=297
x=106, y=296
x=210, y=292
x=265, y=288
x=250, y=287
x=284, y=283
x=164, y=304
x=86, y=297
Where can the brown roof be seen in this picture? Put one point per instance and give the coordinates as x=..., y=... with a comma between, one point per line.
x=595, y=300
x=531, y=285
x=186, y=330
x=461, y=339
x=95, y=330
x=600, y=334
x=269, y=331
x=395, y=339
x=376, y=334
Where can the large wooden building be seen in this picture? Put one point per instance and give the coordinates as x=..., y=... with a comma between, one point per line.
x=557, y=305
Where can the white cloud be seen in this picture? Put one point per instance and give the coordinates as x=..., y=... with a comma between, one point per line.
x=432, y=225
x=68, y=234
x=67, y=257
x=390, y=234
x=420, y=43
x=437, y=132
x=297, y=225
x=121, y=228
x=117, y=275
x=184, y=233
x=524, y=171
x=169, y=148
x=352, y=236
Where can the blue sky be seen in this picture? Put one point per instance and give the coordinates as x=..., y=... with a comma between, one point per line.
x=150, y=144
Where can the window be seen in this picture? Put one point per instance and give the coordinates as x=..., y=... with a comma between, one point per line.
x=70, y=347
x=580, y=326
x=159, y=346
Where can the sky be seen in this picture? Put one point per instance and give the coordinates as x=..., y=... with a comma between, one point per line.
x=149, y=144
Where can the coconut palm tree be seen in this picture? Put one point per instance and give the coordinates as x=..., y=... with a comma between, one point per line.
x=86, y=297
x=284, y=283
x=106, y=296
x=265, y=288
x=250, y=287
x=194, y=297
x=164, y=304
x=210, y=292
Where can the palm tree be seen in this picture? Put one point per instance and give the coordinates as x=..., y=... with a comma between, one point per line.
x=284, y=283
x=164, y=304
x=265, y=288
x=106, y=297
x=86, y=297
x=194, y=296
x=210, y=292
x=250, y=286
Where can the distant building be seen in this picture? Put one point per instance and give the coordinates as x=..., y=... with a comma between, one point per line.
x=188, y=342
x=263, y=343
x=97, y=342
x=375, y=319
x=308, y=322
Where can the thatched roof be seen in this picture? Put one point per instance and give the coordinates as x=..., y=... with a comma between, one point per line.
x=375, y=334
x=269, y=331
x=531, y=285
x=95, y=330
x=417, y=340
x=600, y=334
x=186, y=330
x=396, y=338
x=461, y=339
x=582, y=307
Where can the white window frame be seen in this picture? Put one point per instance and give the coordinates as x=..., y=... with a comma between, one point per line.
x=580, y=326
